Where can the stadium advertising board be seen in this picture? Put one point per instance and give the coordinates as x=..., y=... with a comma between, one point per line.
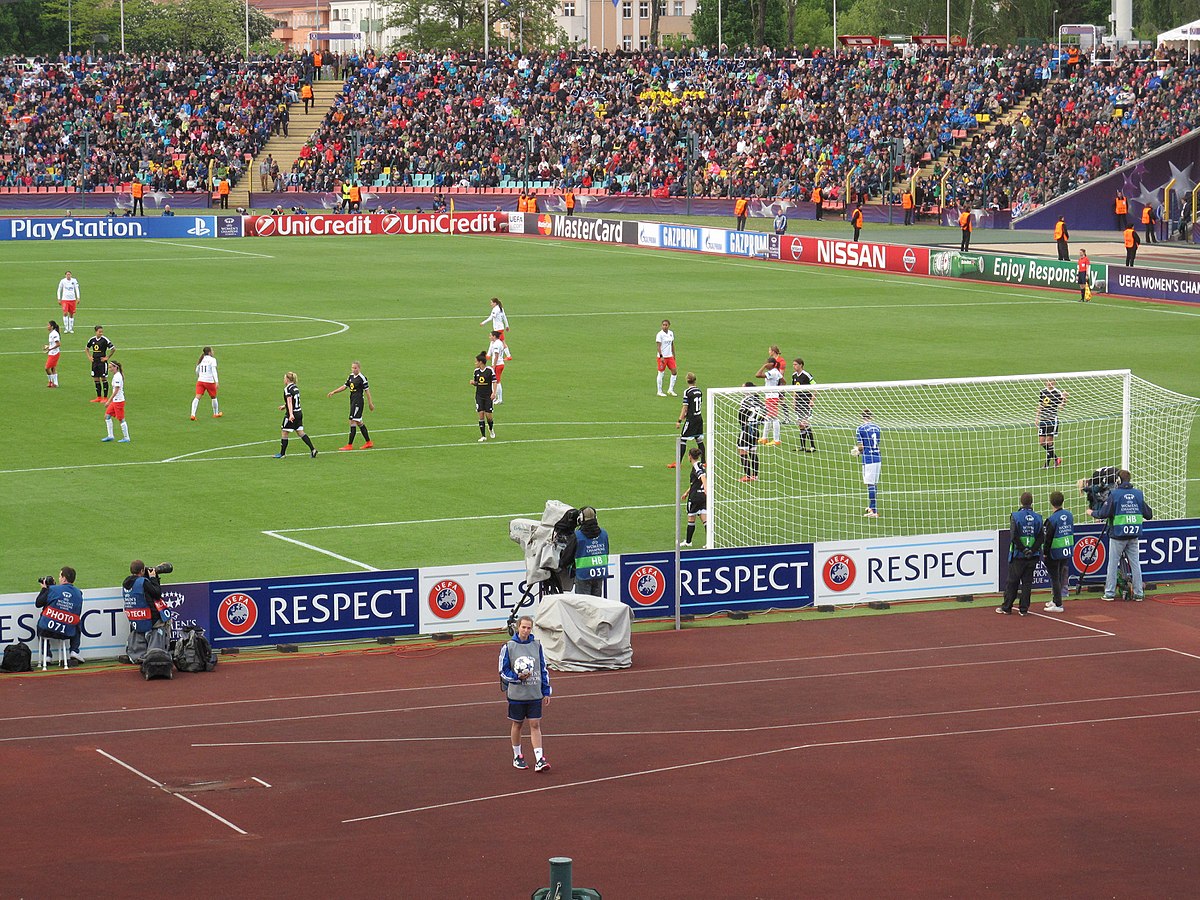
x=854, y=255
x=750, y=243
x=907, y=568
x=711, y=580
x=1154, y=285
x=648, y=234
x=679, y=237
x=314, y=608
x=105, y=625
x=580, y=228
x=1024, y=270
x=321, y=225
x=104, y=227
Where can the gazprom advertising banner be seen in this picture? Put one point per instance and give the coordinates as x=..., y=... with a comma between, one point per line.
x=1023, y=270
x=712, y=580
x=907, y=568
x=314, y=608
x=92, y=228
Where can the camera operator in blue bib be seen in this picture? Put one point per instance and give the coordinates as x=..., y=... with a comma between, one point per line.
x=62, y=611
x=149, y=618
x=1124, y=510
x=591, y=554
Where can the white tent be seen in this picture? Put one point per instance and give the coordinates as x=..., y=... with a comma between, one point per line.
x=1185, y=36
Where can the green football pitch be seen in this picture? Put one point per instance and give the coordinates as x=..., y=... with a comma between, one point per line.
x=580, y=421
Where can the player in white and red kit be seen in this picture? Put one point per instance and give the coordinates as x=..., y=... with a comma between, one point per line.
x=666, y=356
x=116, y=405
x=497, y=317
x=53, y=349
x=206, y=382
x=497, y=356
x=68, y=299
x=772, y=374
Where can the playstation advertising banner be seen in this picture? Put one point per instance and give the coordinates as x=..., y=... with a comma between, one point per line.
x=106, y=227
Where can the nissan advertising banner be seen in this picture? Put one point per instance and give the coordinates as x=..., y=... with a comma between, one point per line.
x=855, y=255
x=321, y=225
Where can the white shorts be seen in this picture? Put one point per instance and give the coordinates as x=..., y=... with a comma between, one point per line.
x=871, y=473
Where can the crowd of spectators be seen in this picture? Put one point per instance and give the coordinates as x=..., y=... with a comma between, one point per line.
x=763, y=124
x=1092, y=118
x=171, y=122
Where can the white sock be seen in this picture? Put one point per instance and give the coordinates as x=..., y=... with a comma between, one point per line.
x=195, y=403
x=516, y=751
x=537, y=752
x=499, y=392
x=124, y=429
x=775, y=428
x=54, y=378
x=215, y=408
x=108, y=425
x=660, y=382
x=672, y=387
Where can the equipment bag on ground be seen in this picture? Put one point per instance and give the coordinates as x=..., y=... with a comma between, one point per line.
x=193, y=653
x=158, y=664
x=17, y=658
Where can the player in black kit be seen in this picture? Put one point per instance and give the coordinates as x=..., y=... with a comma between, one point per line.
x=691, y=417
x=696, y=496
x=485, y=383
x=804, y=402
x=293, y=417
x=1050, y=401
x=100, y=350
x=751, y=412
x=359, y=389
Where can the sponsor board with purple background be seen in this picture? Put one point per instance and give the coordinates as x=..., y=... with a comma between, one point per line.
x=96, y=203
x=1154, y=284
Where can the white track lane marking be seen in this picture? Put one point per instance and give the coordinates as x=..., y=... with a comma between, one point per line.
x=314, y=547
x=208, y=248
x=163, y=787
x=586, y=695
x=741, y=757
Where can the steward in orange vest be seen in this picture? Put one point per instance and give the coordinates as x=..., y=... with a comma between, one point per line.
x=1149, y=220
x=906, y=201
x=741, y=209
x=569, y=202
x=1120, y=210
x=816, y=199
x=1131, y=244
x=856, y=219
x=964, y=222
x=1060, y=238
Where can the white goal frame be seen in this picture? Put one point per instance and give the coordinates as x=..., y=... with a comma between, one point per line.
x=1134, y=423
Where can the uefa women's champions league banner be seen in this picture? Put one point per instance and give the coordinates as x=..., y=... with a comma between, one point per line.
x=481, y=596
x=114, y=227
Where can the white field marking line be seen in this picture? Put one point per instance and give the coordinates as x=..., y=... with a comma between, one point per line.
x=127, y=325
x=763, y=753
x=1180, y=652
x=1075, y=624
x=561, y=675
x=90, y=262
x=162, y=787
x=207, y=248
x=753, y=729
x=259, y=780
x=587, y=695
x=452, y=426
x=313, y=547
x=342, y=327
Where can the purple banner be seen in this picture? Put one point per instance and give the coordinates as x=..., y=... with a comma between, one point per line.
x=1154, y=284
x=189, y=606
x=99, y=203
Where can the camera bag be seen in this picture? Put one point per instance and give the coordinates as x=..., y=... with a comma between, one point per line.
x=158, y=664
x=17, y=658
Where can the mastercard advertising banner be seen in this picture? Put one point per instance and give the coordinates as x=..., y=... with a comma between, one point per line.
x=322, y=224
x=855, y=255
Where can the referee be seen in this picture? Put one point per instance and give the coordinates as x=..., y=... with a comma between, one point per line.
x=359, y=389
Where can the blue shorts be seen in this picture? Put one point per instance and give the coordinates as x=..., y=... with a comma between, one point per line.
x=520, y=710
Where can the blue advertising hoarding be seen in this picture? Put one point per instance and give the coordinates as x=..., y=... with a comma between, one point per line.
x=712, y=580
x=108, y=227
x=349, y=606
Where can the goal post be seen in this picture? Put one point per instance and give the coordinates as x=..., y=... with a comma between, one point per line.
x=956, y=453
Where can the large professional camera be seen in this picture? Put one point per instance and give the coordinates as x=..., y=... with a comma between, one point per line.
x=47, y=581
x=164, y=569
x=1099, y=486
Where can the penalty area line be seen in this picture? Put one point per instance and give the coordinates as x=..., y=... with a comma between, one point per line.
x=338, y=556
x=214, y=249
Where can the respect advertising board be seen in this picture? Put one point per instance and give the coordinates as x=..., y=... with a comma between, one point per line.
x=115, y=227
x=907, y=568
x=713, y=580
x=854, y=255
x=325, y=225
x=1024, y=270
x=349, y=606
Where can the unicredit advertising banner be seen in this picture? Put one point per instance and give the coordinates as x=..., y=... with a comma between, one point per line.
x=102, y=227
x=854, y=255
x=322, y=225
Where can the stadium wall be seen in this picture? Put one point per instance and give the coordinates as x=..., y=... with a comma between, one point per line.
x=480, y=596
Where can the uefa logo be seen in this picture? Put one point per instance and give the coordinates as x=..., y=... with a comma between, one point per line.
x=447, y=599
x=647, y=584
x=838, y=572
x=237, y=614
x=1088, y=554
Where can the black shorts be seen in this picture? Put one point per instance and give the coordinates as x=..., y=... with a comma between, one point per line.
x=697, y=503
x=693, y=429
x=293, y=424
x=483, y=404
x=1081, y=277
x=1048, y=428
x=99, y=369
x=356, y=411
x=747, y=440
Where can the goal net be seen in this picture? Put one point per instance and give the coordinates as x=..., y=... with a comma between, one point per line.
x=955, y=453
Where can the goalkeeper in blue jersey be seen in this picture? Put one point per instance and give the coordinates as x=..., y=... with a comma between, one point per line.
x=868, y=438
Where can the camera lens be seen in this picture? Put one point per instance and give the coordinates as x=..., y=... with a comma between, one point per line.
x=164, y=568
